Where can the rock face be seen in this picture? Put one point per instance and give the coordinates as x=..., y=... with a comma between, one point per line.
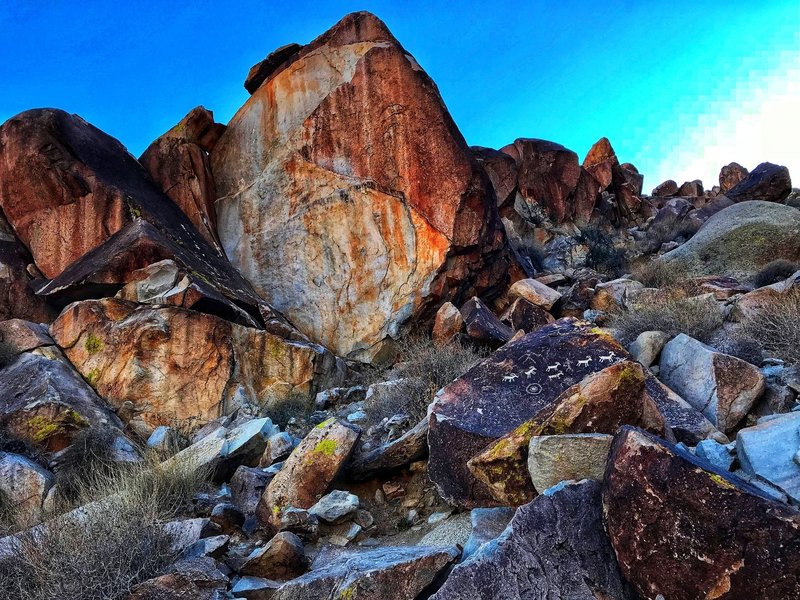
x=401, y=572
x=684, y=530
x=555, y=547
x=308, y=471
x=178, y=162
x=347, y=196
x=600, y=403
x=260, y=71
x=45, y=402
x=730, y=175
x=161, y=363
x=720, y=386
x=767, y=182
x=769, y=451
x=24, y=484
x=739, y=240
x=556, y=458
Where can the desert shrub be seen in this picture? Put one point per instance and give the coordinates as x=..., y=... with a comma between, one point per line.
x=673, y=312
x=775, y=327
x=115, y=541
x=7, y=514
x=656, y=273
x=88, y=460
x=602, y=255
x=776, y=271
x=426, y=369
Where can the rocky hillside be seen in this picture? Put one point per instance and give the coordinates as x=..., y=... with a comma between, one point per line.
x=329, y=350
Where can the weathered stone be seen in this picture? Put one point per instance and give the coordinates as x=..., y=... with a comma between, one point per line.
x=483, y=326
x=767, y=182
x=178, y=163
x=534, y=292
x=409, y=447
x=247, y=485
x=309, y=470
x=556, y=458
x=300, y=522
x=768, y=450
x=45, y=402
x=18, y=336
x=715, y=453
x=17, y=298
x=600, y=403
x=24, y=485
x=214, y=547
x=615, y=295
x=279, y=447
x=648, y=345
x=260, y=71
x=731, y=175
x=522, y=315
x=502, y=172
x=172, y=363
x=633, y=177
x=665, y=189
x=281, y=558
x=487, y=525
x=335, y=507
x=189, y=579
x=390, y=572
x=720, y=386
x=447, y=325
x=554, y=547
x=345, y=229
x=599, y=161
x=691, y=189
x=255, y=588
x=685, y=530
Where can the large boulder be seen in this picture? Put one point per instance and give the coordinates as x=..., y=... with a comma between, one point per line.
x=767, y=182
x=159, y=364
x=23, y=486
x=600, y=161
x=739, y=240
x=722, y=387
x=389, y=572
x=502, y=171
x=45, y=402
x=730, y=175
x=348, y=197
x=309, y=470
x=770, y=450
x=554, y=547
x=17, y=298
x=178, y=162
x=514, y=385
x=600, y=403
x=682, y=529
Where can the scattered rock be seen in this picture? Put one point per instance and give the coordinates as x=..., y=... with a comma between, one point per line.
x=534, y=292
x=195, y=578
x=309, y=470
x=682, y=529
x=527, y=317
x=411, y=446
x=487, y=525
x=715, y=453
x=447, y=325
x=281, y=558
x=554, y=547
x=247, y=484
x=556, y=458
x=335, y=507
x=666, y=189
x=647, y=346
x=722, y=387
x=767, y=182
x=482, y=326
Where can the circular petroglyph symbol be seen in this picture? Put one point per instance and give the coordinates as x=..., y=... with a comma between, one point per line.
x=534, y=389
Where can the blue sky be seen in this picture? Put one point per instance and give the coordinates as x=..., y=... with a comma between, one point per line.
x=680, y=88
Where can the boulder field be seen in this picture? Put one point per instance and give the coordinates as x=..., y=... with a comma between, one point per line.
x=397, y=366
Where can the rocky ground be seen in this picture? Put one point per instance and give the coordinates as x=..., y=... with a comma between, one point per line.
x=329, y=351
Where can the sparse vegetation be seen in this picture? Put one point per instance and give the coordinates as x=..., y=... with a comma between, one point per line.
x=656, y=273
x=673, y=312
x=116, y=541
x=7, y=514
x=86, y=461
x=602, y=255
x=775, y=328
x=774, y=272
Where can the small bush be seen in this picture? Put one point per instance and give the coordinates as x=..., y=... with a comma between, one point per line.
x=602, y=255
x=86, y=461
x=775, y=328
x=116, y=542
x=675, y=312
x=656, y=273
x=774, y=272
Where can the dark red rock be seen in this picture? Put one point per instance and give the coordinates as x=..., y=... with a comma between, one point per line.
x=502, y=171
x=260, y=71
x=482, y=326
x=684, y=530
x=633, y=177
x=17, y=298
x=526, y=316
x=599, y=161
x=731, y=175
x=691, y=189
x=178, y=162
x=667, y=188
x=555, y=547
x=767, y=182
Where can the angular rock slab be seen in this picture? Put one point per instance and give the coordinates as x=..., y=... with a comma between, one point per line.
x=685, y=530
x=172, y=363
x=554, y=547
x=392, y=572
x=770, y=451
x=573, y=457
x=722, y=387
x=346, y=192
x=512, y=386
x=309, y=470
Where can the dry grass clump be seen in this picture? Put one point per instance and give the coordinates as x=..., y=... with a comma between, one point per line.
x=115, y=541
x=656, y=273
x=775, y=328
x=672, y=312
